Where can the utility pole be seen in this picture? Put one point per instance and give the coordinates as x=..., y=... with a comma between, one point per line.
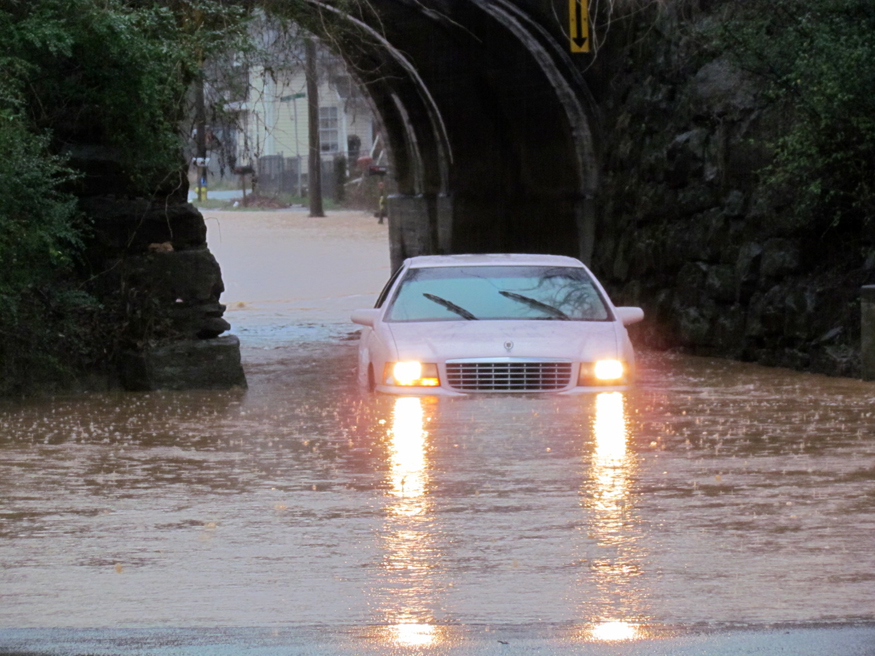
x=200, y=117
x=201, y=135
x=315, y=160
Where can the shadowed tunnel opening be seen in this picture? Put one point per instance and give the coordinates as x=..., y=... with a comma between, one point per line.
x=488, y=123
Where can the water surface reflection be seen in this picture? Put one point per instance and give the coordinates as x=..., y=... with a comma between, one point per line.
x=408, y=456
x=614, y=631
x=715, y=492
x=617, y=602
x=408, y=592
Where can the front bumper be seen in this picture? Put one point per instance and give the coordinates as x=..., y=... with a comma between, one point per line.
x=447, y=392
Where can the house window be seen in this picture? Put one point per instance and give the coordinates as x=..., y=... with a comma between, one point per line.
x=329, y=129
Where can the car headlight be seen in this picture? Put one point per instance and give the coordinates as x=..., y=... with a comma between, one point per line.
x=411, y=374
x=602, y=372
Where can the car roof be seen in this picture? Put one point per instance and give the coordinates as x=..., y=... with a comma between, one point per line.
x=492, y=259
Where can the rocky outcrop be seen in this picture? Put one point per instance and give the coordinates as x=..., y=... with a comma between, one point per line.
x=187, y=284
x=686, y=230
x=151, y=258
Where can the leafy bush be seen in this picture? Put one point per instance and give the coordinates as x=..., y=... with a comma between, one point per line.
x=39, y=237
x=819, y=56
x=112, y=73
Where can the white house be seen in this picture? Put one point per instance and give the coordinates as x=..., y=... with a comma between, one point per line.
x=272, y=133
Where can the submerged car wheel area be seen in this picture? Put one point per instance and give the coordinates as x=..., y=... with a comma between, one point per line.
x=469, y=324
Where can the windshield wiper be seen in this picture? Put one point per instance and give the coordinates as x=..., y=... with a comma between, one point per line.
x=452, y=307
x=538, y=305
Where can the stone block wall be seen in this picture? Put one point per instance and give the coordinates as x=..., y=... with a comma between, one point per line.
x=150, y=259
x=685, y=229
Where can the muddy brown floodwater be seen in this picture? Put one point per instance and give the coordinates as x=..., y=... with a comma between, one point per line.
x=714, y=494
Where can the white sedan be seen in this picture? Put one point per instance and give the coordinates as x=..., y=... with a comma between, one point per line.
x=469, y=324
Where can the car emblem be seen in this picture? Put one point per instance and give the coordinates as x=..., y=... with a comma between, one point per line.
x=508, y=346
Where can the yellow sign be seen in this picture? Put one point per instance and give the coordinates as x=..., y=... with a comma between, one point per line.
x=578, y=24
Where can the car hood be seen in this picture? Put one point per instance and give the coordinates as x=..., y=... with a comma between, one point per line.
x=448, y=340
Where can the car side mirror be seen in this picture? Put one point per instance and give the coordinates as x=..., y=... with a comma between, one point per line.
x=365, y=317
x=630, y=315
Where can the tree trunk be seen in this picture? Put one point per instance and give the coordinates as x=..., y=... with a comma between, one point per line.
x=314, y=182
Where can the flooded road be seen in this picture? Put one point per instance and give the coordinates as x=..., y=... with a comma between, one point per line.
x=714, y=495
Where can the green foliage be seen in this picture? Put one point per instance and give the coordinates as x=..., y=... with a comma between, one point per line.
x=105, y=72
x=819, y=56
x=113, y=72
x=39, y=237
x=36, y=233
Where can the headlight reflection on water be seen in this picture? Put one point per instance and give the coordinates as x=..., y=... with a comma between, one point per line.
x=614, y=631
x=409, y=591
x=618, y=606
x=408, y=448
x=411, y=586
x=414, y=635
x=611, y=468
x=610, y=429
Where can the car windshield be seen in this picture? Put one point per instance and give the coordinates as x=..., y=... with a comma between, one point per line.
x=469, y=293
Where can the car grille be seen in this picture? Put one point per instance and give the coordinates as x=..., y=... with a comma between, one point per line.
x=518, y=376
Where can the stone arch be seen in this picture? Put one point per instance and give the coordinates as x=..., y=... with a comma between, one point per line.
x=489, y=123
x=490, y=130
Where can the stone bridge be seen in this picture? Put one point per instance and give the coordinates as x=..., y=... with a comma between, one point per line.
x=503, y=139
x=491, y=133
x=491, y=128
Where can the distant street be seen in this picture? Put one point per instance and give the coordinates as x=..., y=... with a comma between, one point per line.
x=719, y=508
x=225, y=194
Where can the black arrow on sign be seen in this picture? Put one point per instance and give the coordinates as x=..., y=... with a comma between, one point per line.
x=578, y=39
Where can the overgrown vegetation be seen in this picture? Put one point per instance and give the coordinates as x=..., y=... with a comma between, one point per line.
x=819, y=59
x=39, y=235
x=39, y=238
x=78, y=72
